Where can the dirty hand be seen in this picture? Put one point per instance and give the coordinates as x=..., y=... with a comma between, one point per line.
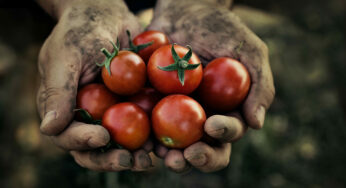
x=212, y=31
x=67, y=61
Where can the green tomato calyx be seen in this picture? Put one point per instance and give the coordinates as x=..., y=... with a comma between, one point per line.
x=136, y=48
x=109, y=56
x=180, y=64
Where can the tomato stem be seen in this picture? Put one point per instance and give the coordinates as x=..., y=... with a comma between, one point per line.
x=106, y=52
x=136, y=48
x=109, y=56
x=180, y=64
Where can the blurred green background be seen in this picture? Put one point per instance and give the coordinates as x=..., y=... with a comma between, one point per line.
x=301, y=144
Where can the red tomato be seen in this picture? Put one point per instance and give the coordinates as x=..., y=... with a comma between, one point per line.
x=168, y=82
x=95, y=99
x=128, y=73
x=146, y=98
x=127, y=124
x=178, y=121
x=158, y=38
x=225, y=84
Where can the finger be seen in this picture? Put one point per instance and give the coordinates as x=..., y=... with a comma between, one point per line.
x=112, y=160
x=148, y=146
x=57, y=94
x=81, y=136
x=206, y=158
x=135, y=29
x=161, y=151
x=175, y=161
x=225, y=128
x=142, y=160
x=261, y=93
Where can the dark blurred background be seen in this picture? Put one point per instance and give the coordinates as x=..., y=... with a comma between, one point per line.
x=300, y=146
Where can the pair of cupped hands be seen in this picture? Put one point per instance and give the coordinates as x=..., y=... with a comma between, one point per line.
x=67, y=61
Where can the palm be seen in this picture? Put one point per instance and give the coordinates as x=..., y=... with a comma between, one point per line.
x=66, y=61
x=216, y=32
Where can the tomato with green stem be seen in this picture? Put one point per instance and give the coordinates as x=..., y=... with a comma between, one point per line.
x=146, y=43
x=123, y=72
x=127, y=124
x=174, y=69
x=178, y=121
x=225, y=84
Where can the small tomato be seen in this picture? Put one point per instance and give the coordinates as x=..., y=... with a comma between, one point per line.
x=173, y=69
x=178, y=121
x=225, y=84
x=95, y=99
x=123, y=72
x=147, y=42
x=127, y=124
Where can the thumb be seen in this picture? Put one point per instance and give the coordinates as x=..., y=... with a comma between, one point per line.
x=56, y=97
x=260, y=97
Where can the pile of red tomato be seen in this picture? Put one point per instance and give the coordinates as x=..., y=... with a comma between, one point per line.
x=129, y=105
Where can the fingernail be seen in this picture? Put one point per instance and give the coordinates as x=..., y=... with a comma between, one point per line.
x=198, y=160
x=260, y=115
x=50, y=116
x=95, y=142
x=145, y=161
x=125, y=160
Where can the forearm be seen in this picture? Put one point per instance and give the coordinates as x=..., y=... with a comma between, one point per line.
x=162, y=5
x=56, y=8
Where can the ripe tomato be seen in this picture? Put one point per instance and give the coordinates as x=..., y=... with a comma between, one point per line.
x=167, y=81
x=225, y=84
x=124, y=72
x=146, y=98
x=127, y=124
x=156, y=39
x=95, y=99
x=178, y=121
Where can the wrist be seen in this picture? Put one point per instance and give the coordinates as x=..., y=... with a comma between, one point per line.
x=56, y=8
x=163, y=5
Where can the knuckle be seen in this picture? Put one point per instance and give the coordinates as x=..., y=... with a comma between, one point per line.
x=108, y=166
x=83, y=139
x=263, y=47
x=52, y=91
x=92, y=138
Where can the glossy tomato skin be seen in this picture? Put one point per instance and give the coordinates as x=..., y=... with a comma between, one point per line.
x=95, y=99
x=167, y=82
x=146, y=98
x=225, y=84
x=178, y=121
x=128, y=73
x=127, y=124
x=159, y=39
